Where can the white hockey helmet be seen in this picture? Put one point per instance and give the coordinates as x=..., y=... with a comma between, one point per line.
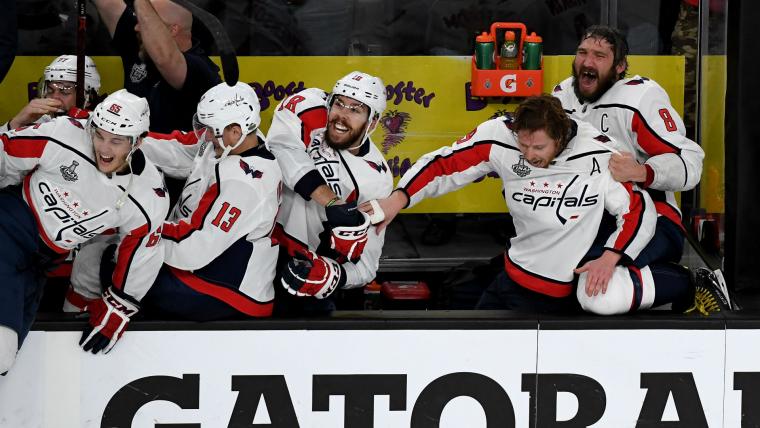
x=64, y=68
x=367, y=89
x=362, y=87
x=225, y=105
x=122, y=113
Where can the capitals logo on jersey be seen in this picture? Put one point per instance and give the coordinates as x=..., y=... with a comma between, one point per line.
x=557, y=199
x=254, y=173
x=69, y=213
x=377, y=167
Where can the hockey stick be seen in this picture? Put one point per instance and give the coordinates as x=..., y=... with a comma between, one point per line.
x=221, y=39
x=81, y=43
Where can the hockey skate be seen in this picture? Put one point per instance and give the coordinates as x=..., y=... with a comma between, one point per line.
x=709, y=297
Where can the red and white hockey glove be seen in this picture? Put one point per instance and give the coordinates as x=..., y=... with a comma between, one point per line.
x=309, y=274
x=109, y=318
x=349, y=231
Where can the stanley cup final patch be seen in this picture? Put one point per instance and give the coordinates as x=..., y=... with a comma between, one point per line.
x=138, y=72
x=520, y=168
x=69, y=172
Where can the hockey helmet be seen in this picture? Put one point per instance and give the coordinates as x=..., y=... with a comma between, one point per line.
x=122, y=113
x=224, y=105
x=362, y=87
x=64, y=68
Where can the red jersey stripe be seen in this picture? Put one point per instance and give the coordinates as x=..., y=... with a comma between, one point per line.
x=535, y=282
x=183, y=229
x=40, y=229
x=24, y=147
x=127, y=249
x=631, y=220
x=667, y=210
x=311, y=119
x=457, y=161
x=648, y=140
x=185, y=138
x=231, y=297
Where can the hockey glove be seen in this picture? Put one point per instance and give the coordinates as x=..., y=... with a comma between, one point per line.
x=109, y=318
x=349, y=231
x=309, y=274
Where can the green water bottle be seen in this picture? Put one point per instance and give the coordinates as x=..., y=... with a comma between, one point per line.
x=484, y=46
x=532, y=52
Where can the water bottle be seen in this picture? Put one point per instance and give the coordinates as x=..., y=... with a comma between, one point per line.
x=508, y=53
x=484, y=47
x=532, y=52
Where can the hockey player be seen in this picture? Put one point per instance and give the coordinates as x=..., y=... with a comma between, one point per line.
x=79, y=180
x=637, y=115
x=557, y=187
x=220, y=259
x=329, y=165
x=57, y=93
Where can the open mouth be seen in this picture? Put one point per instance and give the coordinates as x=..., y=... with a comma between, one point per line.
x=340, y=128
x=105, y=159
x=588, y=79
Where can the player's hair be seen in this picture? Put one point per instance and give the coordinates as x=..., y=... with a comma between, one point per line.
x=615, y=38
x=543, y=112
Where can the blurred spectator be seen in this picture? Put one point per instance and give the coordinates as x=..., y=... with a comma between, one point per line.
x=160, y=60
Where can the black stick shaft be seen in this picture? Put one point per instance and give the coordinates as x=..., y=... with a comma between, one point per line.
x=81, y=44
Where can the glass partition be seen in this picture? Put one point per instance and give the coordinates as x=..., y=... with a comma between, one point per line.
x=694, y=29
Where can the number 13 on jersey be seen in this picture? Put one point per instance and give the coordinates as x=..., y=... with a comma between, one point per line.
x=226, y=217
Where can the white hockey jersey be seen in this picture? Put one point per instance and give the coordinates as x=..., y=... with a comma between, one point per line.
x=73, y=201
x=218, y=238
x=296, y=137
x=637, y=115
x=556, y=210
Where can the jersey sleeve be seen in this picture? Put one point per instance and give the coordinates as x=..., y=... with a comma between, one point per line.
x=636, y=217
x=675, y=162
x=294, y=121
x=139, y=255
x=124, y=40
x=451, y=167
x=229, y=210
x=22, y=150
x=365, y=270
x=172, y=153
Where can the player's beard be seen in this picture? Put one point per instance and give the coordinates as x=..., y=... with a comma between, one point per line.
x=347, y=140
x=603, y=83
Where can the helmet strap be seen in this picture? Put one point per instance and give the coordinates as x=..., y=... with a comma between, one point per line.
x=123, y=198
x=228, y=149
x=369, y=128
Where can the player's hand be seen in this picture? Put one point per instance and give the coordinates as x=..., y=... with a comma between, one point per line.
x=389, y=207
x=598, y=272
x=624, y=167
x=36, y=108
x=349, y=231
x=309, y=274
x=109, y=318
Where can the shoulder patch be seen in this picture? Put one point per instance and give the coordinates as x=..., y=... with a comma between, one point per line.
x=75, y=122
x=377, y=167
x=636, y=81
x=255, y=173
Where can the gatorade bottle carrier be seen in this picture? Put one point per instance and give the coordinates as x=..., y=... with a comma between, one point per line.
x=507, y=83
